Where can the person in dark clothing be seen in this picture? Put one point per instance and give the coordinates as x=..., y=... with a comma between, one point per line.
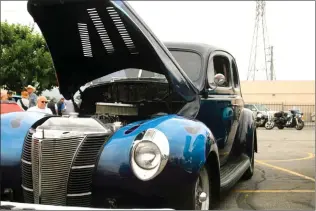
x=51, y=106
x=60, y=106
x=9, y=93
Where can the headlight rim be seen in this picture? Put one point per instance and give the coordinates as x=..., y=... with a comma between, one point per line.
x=162, y=142
x=135, y=158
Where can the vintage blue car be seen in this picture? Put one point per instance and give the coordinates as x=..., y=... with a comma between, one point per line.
x=158, y=125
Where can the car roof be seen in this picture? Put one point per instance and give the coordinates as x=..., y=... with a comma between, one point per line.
x=202, y=48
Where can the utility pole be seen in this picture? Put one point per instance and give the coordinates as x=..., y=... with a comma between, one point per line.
x=272, y=73
x=258, y=63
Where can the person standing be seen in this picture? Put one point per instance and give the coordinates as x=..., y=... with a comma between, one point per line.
x=4, y=95
x=10, y=97
x=24, y=101
x=52, y=106
x=69, y=107
x=61, y=106
x=41, y=106
x=32, y=96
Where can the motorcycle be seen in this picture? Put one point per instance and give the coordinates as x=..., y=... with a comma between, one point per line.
x=261, y=119
x=290, y=119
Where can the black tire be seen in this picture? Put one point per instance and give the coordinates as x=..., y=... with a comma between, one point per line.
x=189, y=203
x=268, y=126
x=249, y=173
x=300, y=126
x=280, y=127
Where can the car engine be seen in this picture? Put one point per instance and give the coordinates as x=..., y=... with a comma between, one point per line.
x=111, y=112
x=122, y=103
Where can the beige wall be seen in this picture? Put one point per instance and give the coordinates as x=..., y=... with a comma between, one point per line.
x=288, y=92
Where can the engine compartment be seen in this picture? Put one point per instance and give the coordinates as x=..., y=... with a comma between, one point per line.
x=125, y=102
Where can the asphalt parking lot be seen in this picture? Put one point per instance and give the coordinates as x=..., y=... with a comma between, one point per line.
x=284, y=175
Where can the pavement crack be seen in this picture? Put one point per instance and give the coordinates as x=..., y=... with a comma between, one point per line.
x=306, y=204
x=243, y=203
x=263, y=178
x=249, y=204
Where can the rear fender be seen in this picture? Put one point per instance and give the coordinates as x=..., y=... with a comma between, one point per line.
x=245, y=136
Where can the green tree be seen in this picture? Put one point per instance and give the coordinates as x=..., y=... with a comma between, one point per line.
x=24, y=59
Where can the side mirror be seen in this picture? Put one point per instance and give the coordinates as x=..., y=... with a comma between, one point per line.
x=219, y=79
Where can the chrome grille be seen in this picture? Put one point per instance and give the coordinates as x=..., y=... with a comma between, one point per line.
x=27, y=183
x=51, y=161
x=80, y=178
x=36, y=157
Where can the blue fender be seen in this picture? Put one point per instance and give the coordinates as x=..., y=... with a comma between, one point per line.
x=190, y=143
x=14, y=127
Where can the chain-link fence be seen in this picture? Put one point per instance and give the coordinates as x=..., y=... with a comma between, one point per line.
x=307, y=109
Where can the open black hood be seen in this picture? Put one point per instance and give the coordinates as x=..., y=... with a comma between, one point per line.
x=89, y=39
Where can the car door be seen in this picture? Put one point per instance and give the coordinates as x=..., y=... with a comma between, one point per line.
x=237, y=99
x=218, y=110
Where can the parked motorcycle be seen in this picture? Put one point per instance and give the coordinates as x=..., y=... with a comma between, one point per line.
x=291, y=119
x=261, y=119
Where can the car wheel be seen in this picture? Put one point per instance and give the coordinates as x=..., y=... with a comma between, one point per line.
x=199, y=197
x=269, y=125
x=202, y=191
x=249, y=173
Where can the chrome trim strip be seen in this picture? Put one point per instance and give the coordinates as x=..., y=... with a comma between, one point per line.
x=79, y=194
x=26, y=162
x=40, y=170
x=72, y=162
x=36, y=147
x=27, y=189
x=83, y=167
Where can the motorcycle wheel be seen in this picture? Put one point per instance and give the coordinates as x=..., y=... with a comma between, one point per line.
x=269, y=125
x=300, y=125
x=280, y=127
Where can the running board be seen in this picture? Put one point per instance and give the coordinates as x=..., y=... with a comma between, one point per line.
x=233, y=171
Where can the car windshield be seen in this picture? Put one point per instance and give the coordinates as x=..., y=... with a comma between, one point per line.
x=262, y=107
x=126, y=74
x=190, y=62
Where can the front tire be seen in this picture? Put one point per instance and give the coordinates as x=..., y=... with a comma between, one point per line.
x=199, y=197
x=300, y=125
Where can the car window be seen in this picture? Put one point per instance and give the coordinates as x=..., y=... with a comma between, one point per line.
x=222, y=65
x=235, y=74
x=190, y=62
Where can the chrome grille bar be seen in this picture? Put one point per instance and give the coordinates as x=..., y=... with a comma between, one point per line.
x=51, y=163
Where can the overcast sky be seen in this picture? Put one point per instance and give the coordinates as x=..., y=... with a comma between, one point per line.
x=290, y=24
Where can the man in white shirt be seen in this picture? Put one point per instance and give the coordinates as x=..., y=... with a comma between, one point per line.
x=41, y=106
x=69, y=107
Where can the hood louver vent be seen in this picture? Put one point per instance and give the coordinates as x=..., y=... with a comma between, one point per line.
x=85, y=40
x=101, y=30
x=122, y=30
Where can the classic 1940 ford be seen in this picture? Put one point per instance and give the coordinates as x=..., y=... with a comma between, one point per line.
x=157, y=125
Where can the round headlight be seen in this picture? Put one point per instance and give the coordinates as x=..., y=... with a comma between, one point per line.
x=147, y=155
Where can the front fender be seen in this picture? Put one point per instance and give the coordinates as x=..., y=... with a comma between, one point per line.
x=190, y=143
x=14, y=127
